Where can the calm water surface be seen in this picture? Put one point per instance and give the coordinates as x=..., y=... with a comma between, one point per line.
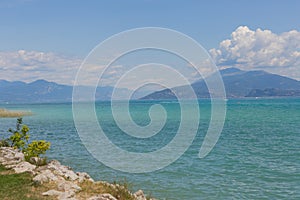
x=256, y=157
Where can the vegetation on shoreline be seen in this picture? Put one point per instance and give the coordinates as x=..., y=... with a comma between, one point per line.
x=20, y=180
x=4, y=113
x=22, y=187
x=20, y=140
x=19, y=186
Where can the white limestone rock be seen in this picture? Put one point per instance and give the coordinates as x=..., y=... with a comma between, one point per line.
x=68, y=186
x=62, y=170
x=52, y=193
x=66, y=195
x=83, y=176
x=24, y=167
x=102, y=197
x=139, y=195
x=46, y=176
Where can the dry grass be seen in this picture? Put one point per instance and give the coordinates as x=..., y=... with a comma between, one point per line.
x=89, y=189
x=10, y=113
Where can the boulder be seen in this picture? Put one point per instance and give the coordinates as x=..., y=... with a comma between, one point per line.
x=24, y=167
x=60, y=195
x=68, y=186
x=38, y=161
x=102, y=197
x=46, y=176
x=83, y=176
x=64, y=178
x=62, y=170
x=52, y=193
x=66, y=195
x=139, y=195
x=10, y=156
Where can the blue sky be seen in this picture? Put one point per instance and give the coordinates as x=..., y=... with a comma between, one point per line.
x=75, y=27
x=70, y=29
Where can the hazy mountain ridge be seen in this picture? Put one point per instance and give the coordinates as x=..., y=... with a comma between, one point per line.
x=42, y=91
x=238, y=83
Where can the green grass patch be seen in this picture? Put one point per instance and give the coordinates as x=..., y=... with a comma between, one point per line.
x=2, y=168
x=18, y=186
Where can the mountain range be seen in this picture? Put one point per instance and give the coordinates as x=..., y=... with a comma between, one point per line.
x=238, y=83
x=42, y=91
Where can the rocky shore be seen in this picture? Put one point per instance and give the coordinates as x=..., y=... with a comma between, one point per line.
x=62, y=182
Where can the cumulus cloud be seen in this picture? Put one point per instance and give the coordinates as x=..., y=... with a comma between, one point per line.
x=260, y=49
x=29, y=66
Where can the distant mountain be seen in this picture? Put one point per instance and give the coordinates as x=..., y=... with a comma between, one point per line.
x=37, y=91
x=42, y=91
x=238, y=83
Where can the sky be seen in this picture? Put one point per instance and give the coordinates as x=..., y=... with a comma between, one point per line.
x=48, y=39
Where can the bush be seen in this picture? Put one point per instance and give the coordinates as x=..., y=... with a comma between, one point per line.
x=20, y=136
x=19, y=140
x=36, y=148
x=4, y=143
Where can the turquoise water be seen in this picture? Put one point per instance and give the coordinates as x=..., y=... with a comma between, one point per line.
x=256, y=157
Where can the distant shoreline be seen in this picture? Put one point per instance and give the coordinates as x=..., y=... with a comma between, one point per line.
x=4, y=113
x=2, y=104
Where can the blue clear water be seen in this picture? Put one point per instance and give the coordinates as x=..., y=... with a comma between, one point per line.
x=256, y=157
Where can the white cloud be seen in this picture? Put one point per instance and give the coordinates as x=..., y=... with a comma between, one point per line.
x=31, y=65
x=261, y=49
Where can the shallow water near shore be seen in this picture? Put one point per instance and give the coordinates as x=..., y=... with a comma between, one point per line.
x=256, y=157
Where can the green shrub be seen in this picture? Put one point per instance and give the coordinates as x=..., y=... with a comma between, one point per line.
x=20, y=136
x=4, y=143
x=36, y=148
x=19, y=140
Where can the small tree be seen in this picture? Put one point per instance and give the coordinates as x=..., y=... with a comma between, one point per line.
x=20, y=136
x=19, y=140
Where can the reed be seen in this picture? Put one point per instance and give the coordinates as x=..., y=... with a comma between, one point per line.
x=10, y=113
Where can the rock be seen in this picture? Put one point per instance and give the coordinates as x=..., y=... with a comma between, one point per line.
x=19, y=156
x=68, y=186
x=83, y=176
x=46, y=176
x=70, y=175
x=38, y=161
x=52, y=193
x=41, y=178
x=10, y=156
x=60, y=195
x=64, y=178
x=24, y=167
x=66, y=195
x=10, y=163
x=139, y=195
x=62, y=170
x=102, y=197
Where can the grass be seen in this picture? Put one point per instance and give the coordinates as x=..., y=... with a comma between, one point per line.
x=9, y=113
x=19, y=186
x=89, y=189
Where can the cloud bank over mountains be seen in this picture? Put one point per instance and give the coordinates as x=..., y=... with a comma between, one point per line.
x=246, y=49
x=260, y=49
x=32, y=65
